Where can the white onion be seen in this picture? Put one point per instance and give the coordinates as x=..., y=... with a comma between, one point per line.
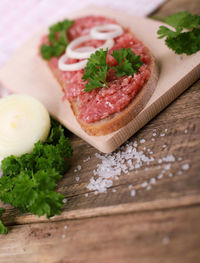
x=75, y=53
x=24, y=121
x=116, y=31
x=70, y=67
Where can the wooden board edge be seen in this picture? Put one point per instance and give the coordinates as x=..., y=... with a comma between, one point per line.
x=161, y=204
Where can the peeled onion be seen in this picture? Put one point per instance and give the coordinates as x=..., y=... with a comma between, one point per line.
x=75, y=53
x=113, y=31
x=70, y=67
x=23, y=121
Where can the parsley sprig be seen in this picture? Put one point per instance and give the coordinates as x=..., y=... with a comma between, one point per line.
x=28, y=181
x=185, y=39
x=57, y=40
x=128, y=62
x=3, y=229
x=96, y=69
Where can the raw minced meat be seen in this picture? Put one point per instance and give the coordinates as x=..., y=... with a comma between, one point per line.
x=102, y=102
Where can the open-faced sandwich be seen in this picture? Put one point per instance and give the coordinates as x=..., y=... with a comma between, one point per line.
x=105, y=72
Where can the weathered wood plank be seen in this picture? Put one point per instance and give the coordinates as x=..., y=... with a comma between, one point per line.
x=182, y=115
x=147, y=237
x=173, y=6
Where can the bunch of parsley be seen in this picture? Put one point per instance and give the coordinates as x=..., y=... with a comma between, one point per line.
x=185, y=39
x=57, y=40
x=96, y=69
x=28, y=181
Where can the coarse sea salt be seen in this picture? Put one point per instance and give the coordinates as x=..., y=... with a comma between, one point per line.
x=148, y=188
x=185, y=166
x=165, y=240
x=113, y=165
x=65, y=200
x=129, y=158
x=152, y=181
x=133, y=192
x=144, y=184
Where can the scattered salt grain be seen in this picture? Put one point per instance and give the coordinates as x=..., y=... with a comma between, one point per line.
x=166, y=130
x=164, y=146
x=154, y=134
x=63, y=236
x=114, y=190
x=77, y=178
x=142, y=141
x=75, y=170
x=153, y=140
x=144, y=184
x=133, y=192
x=152, y=181
x=86, y=194
x=115, y=164
x=185, y=166
x=87, y=159
x=167, y=166
x=144, y=148
x=162, y=134
x=169, y=158
x=65, y=200
x=170, y=174
x=185, y=131
x=180, y=172
x=160, y=176
x=165, y=240
x=65, y=227
x=130, y=186
x=148, y=188
x=180, y=158
x=79, y=167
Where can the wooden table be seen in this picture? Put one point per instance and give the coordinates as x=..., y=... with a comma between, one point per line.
x=160, y=224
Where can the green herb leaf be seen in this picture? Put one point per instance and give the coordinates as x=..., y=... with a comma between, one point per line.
x=128, y=62
x=57, y=40
x=187, y=42
x=28, y=181
x=3, y=229
x=96, y=70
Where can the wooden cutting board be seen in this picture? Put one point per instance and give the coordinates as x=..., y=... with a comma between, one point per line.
x=27, y=73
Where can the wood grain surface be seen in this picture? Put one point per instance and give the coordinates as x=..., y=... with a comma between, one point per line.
x=156, y=225
x=147, y=237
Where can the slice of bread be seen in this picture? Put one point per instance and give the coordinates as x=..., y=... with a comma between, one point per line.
x=117, y=120
x=120, y=119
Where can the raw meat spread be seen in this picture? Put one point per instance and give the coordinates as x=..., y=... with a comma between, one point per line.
x=102, y=102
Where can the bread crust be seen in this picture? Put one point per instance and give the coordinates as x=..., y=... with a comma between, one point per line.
x=117, y=120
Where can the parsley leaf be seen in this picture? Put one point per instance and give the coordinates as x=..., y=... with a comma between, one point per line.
x=28, y=181
x=57, y=40
x=187, y=42
x=3, y=229
x=128, y=62
x=96, y=70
